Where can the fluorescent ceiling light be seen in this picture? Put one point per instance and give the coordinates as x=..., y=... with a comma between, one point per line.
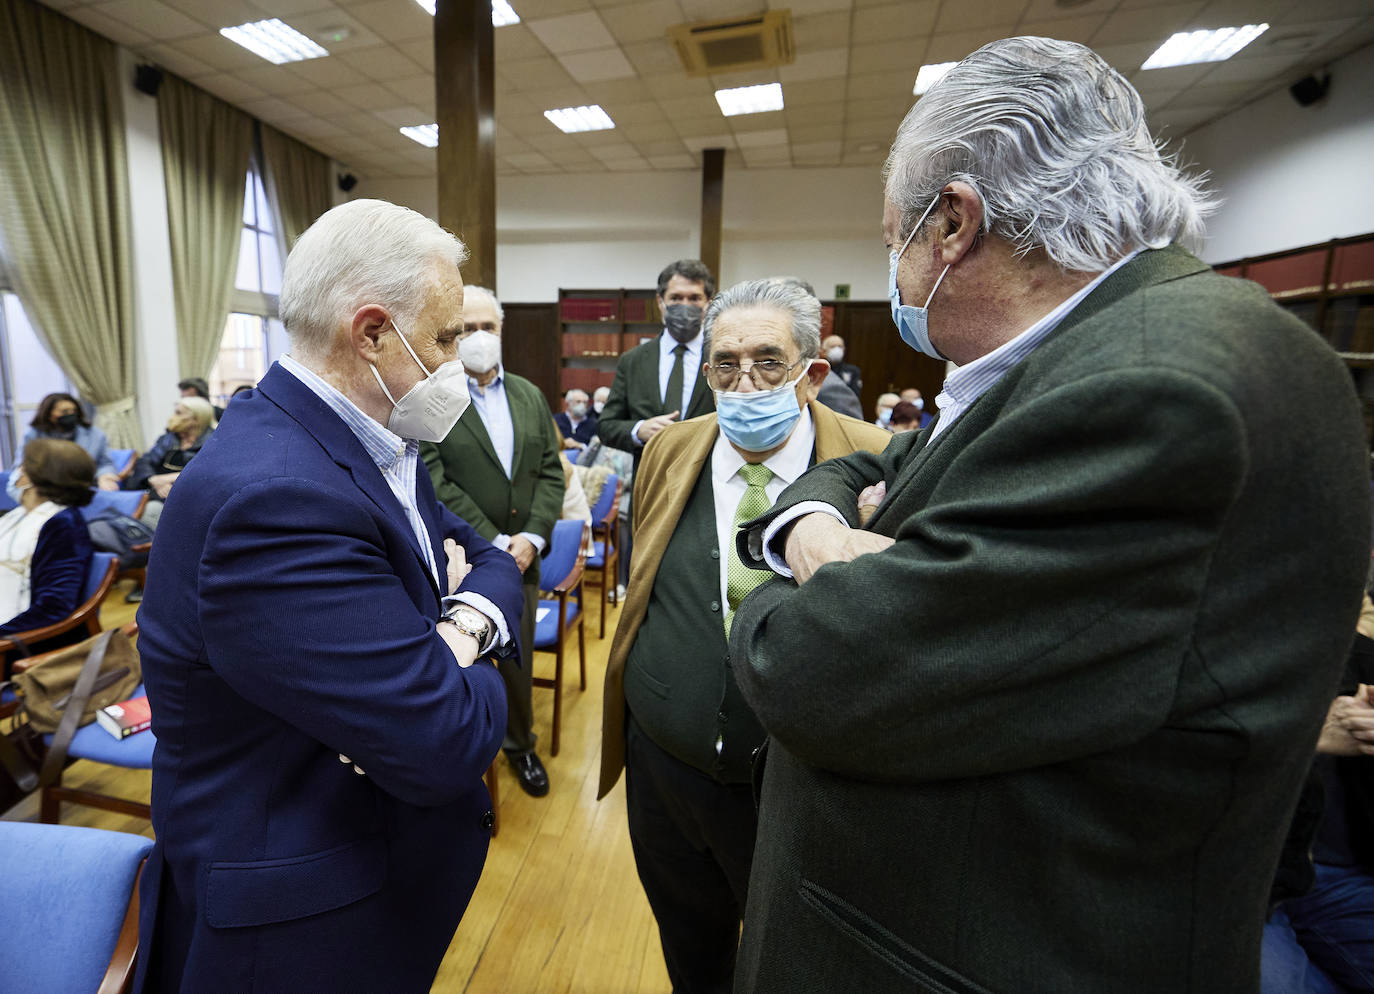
x=1190, y=47
x=274, y=41
x=930, y=75
x=501, y=12
x=570, y=119
x=425, y=134
x=750, y=99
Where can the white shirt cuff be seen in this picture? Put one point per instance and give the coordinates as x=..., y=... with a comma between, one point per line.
x=535, y=540
x=500, y=636
x=634, y=434
x=501, y=542
x=772, y=557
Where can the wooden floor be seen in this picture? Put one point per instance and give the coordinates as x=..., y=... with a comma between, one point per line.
x=559, y=907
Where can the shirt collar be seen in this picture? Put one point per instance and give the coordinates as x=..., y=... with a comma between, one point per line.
x=496, y=381
x=968, y=381
x=788, y=463
x=666, y=343
x=383, y=445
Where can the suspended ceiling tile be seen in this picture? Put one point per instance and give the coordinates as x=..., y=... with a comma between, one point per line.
x=597, y=65
x=380, y=62
x=404, y=117
x=820, y=31
x=886, y=56
x=556, y=97
x=799, y=95
x=674, y=161
x=827, y=113
x=653, y=56
x=811, y=134
x=884, y=84
x=1126, y=59
x=892, y=21
x=216, y=14
x=368, y=96
x=395, y=20
x=826, y=63
x=1277, y=68
x=651, y=131
x=1154, y=24
x=1079, y=29
x=517, y=41
x=1049, y=10
x=690, y=108
x=800, y=7
x=761, y=139
x=1000, y=15
x=509, y=104
x=356, y=124
x=634, y=165
x=756, y=122
x=274, y=110
x=527, y=160
x=531, y=10
x=756, y=157
x=275, y=80
x=696, y=143
x=325, y=25
x=677, y=84
x=420, y=51
x=641, y=21
x=1213, y=95
x=711, y=10
x=1224, y=13
x=1154, y=84
x=620, y=92
x=229, y=87
x=635, y=112
x=673, y=147
x=817, y=150
x=330, y=73
x=528, y=75
x=752, y=77
x=614, y=150
x=955, y=46
x=572, y=33
x=109, y=27
x=149, y=18
x=415, y=90
x=168, y=57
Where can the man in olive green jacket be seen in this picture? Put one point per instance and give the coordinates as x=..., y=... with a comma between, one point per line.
x=1040, y=723
x=498, y=470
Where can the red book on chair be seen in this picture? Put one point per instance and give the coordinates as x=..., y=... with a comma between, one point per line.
x=123, y=719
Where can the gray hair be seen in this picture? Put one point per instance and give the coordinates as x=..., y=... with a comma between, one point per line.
x=786, y=295
x=361, y=252
x=482, y=291
x=1056, y=145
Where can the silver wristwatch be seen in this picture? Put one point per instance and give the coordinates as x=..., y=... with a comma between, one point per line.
x=470, y=621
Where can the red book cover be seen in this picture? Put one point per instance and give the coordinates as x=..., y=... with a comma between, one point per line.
x=125, y=718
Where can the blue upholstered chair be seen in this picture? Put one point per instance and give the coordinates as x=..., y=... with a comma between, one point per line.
x=100, y=576
x=130, y=502
x=123, y=460
x=74, y=897
x=604, y=562
x=560, y=575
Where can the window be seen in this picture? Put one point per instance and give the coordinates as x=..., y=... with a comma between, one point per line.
x=27, y=375
x=253, y=337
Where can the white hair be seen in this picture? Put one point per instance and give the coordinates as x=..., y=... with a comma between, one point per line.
x=361, y=252
x=481, y=291
x=1056, y=145
x=786, y=294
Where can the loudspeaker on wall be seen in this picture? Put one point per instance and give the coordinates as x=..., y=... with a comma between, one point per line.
x=1310, y=89
x=147, y=78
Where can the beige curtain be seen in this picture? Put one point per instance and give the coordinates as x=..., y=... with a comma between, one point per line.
x=206, y=145
x=64, y=204
x=299, y=184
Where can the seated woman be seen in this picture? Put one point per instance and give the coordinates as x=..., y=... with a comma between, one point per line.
x=45, y=550
x=189, y=426
x=60, y=416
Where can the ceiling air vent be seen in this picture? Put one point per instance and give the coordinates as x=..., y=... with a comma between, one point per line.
x=735, y=43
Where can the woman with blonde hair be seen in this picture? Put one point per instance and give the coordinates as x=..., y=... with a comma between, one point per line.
x=157, y=469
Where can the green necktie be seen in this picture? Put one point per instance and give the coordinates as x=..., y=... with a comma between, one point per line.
x=673, y=397
x=741, y=579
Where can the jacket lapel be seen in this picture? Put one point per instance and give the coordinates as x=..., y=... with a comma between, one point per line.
x=471, y=423
x=337, y=438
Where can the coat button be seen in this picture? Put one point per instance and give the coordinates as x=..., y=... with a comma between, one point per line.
x=722, y=717
x=715, y=605
x=715, y=553
x=488, y=820
x=513, y=512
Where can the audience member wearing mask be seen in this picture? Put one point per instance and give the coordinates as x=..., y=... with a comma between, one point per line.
x=599, y=399
x=1041, y=723
x=913, y=396
x=45, y=550
x=498, y=470
x=576, y=422
x=833, y=348
x=673, y=718
x=660, y=381
x=60, y=416
x=906, y=416
x=157, y=469
x=883, y=410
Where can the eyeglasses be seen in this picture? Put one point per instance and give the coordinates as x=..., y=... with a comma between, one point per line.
x=765, y=374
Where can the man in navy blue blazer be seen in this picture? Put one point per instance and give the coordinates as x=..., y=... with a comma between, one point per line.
x=310, y=601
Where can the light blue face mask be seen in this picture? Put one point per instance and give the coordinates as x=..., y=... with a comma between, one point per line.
x=12, y=487
x=760, y=420
x=912, y=321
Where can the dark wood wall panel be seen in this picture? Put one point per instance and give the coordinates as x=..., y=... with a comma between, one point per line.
x=532, y=347
x=889, y=364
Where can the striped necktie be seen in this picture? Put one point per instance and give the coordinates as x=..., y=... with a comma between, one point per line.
x=741, y=579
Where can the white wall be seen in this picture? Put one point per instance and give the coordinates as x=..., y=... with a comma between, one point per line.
x=1292, y=175
x=607, y=230
x=156, y=369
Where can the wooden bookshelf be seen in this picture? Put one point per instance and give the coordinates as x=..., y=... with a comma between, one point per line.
x=596, y=327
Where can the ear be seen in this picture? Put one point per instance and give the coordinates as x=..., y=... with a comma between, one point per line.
x=370, y=323
x=962, y=212
x=815, y=376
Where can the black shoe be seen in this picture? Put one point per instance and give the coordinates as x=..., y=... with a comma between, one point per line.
x=530, y=772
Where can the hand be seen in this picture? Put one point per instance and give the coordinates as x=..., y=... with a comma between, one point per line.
x=1349, y=726
x=817, y=539
x=463, y=646
x=571, y=443
x=161, y=484
x=652, y=426
x=869, y=499
x=458, y=567
x=108, y=482
x=522, y=550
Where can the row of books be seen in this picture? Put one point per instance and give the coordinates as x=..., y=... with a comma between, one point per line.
x=584, y=379
x=592, y=345
x=587, y=309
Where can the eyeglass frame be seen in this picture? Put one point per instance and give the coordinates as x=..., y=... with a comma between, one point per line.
x=749, y=371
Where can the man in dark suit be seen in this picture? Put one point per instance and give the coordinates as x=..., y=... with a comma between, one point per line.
x=312, y=641
x=498, y=470
x=1039, y=725
x=660, y=382
x=673, y=717
x=576, y=422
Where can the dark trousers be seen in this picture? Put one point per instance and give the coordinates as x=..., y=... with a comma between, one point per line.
x=693, y=841
x=518, y=676
x=1334, y=925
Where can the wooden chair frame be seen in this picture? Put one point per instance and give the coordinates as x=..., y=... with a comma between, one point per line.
x=87, y=613
x=608, y=573
x=119, y=975
x=572, y=583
